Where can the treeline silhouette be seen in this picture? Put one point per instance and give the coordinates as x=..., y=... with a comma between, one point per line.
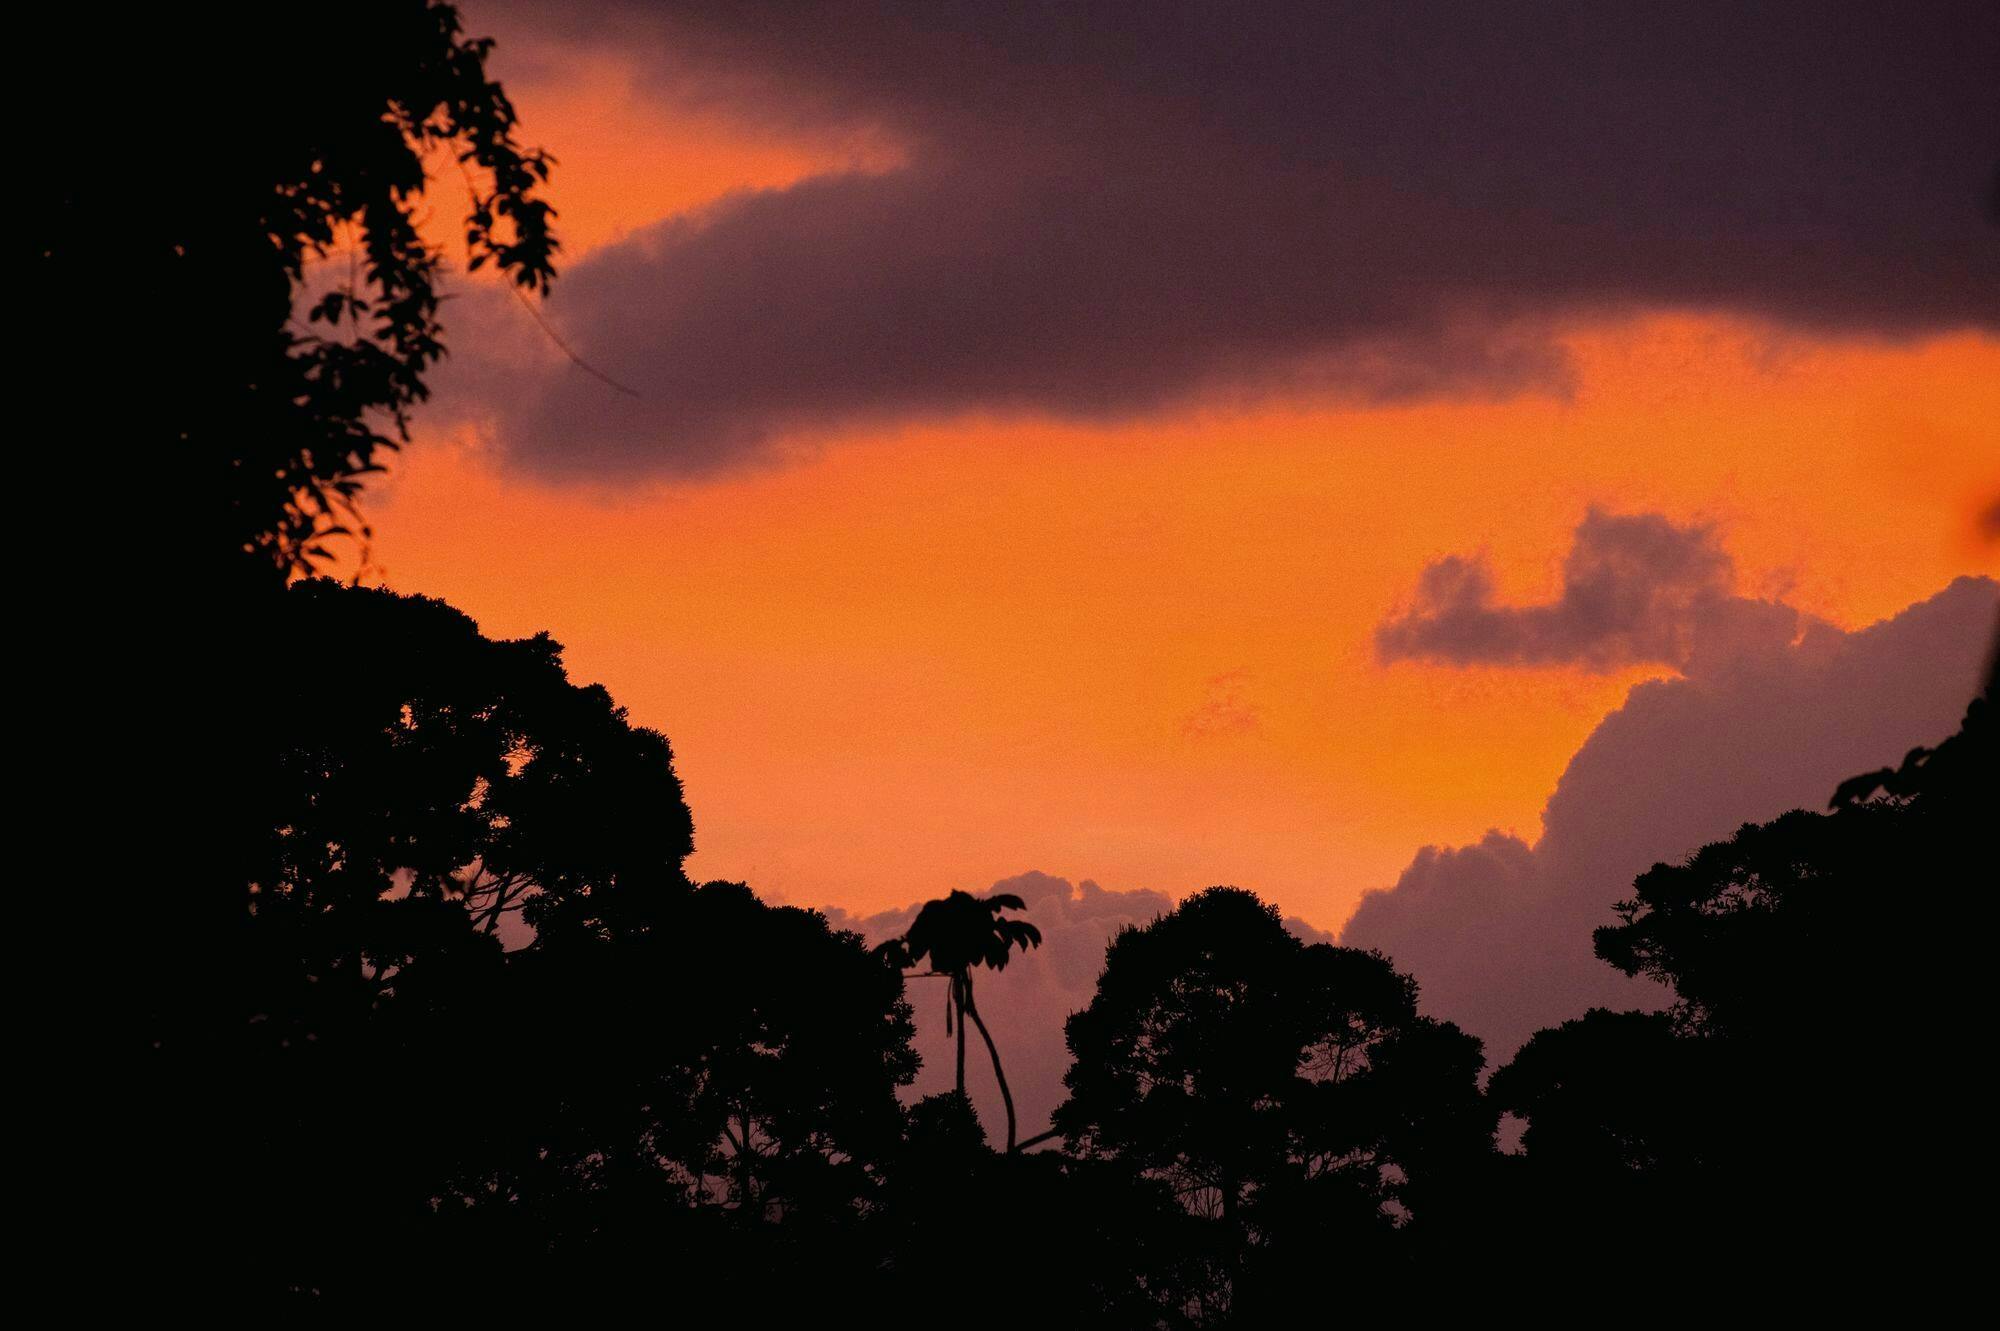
x=671, y=1086
x=423, y=1015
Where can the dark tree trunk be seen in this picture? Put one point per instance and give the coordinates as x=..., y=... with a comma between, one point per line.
x=749, y=1211
x=1006, y=1096
x=958, y=999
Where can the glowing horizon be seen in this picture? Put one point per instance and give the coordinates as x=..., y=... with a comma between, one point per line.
x=938, y=652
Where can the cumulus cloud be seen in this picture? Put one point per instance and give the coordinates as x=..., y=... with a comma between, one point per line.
x=1498, y=932
x=1106, y=209
x=1026, y=1004
x=1635, y=588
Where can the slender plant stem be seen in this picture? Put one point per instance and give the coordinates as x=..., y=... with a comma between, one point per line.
x=971, y=1009
x=958, y=988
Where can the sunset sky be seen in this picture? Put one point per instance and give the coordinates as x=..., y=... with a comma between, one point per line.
x=938, y=567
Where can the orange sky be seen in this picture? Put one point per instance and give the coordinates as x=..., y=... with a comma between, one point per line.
x=925, y=658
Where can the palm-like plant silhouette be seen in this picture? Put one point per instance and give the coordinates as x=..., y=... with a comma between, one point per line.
x=957, y=933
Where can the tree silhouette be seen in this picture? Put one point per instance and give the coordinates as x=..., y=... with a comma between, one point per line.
x=1625, y=1144
x=749, y=1063
x=233, y=274
x=428, y=761
x=288, y=247
x=1816, y=1048
x=1755, y=932
x=652, y=1057
x=957, y=933
x=1109, y=1249
x=427, y=782
x=1291, y=1095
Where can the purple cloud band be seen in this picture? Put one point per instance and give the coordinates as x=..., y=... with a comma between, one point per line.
x=1110, y=209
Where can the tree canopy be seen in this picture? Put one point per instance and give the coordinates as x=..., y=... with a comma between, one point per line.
x=1288, y=1093
x=1816, y=1048
x=957, y=933
x=275, y=236
x=425, y=1014
x=648, y=1048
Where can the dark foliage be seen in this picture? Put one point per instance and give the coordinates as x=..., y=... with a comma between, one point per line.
x=1290, y=1096
x=664, y=1082
x=957, y=933
x=653, y=1053
x=235, y=297
x=418, y=1011
x=988, y=1239
x=1800, y=1089
x=271, y=235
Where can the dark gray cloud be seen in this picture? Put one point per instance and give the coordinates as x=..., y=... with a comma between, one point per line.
x=1026, y=1004
x=1108, y=209
x=1635, y=588
x=1498, y=933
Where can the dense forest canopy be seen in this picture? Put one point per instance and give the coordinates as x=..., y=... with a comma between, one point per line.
x=435, y=1018
x=660, y=1062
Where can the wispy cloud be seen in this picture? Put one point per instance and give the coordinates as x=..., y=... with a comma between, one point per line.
x=1226, y=708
